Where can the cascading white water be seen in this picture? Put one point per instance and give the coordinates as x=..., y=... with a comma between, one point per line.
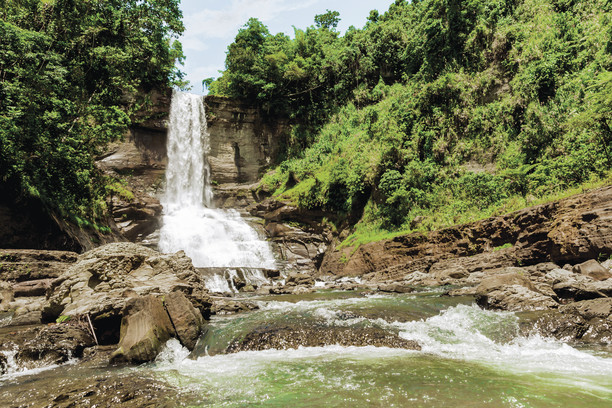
x=210, y=237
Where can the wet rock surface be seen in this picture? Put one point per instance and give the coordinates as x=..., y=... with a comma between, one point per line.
x=25, y=277
x=587, y=321
x=103, y=280
x=187, y=321
x=55, y=344
x=145, y=328
x=97, y=390
x=292, y=337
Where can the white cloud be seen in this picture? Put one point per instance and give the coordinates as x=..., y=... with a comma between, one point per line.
x=224, y=23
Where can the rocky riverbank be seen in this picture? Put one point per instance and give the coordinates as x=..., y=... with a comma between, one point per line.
x=541, y=262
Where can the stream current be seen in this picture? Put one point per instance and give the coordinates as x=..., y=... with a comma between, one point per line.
x=469, y=358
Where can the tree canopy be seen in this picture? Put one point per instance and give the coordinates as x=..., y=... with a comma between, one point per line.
x=71, y=75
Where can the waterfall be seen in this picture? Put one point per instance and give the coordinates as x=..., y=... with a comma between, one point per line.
x=210, y=237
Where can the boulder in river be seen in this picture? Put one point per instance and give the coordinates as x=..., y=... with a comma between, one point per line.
x=513, y=291
x=186, y=319
x=293, y=337
x=55, y=344
x=589, y=321
x=145, y=328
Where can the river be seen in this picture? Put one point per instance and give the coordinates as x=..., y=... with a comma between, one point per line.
x=469, y=358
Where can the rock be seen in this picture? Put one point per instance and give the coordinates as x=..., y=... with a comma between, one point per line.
x=395, y=288
x=26, y=310
x=589, y=309
x=558, y=275
x=242, y=141
x=186, y=319
x=264, y=290
x=290, y=337
x=509, y=276
x=55, y=344
x=599, y=288
x=229, y=306
x=145, y=328
x=18, y=265
x=448, y=273
x=588, y=321
x=32, y=288
x=576, y=228
x=607, y=264
x=104, y=279
x=6, y=296
x=466, y=291
x=511, y=291
x=580, y=287
x=592, y=269
x=3, y=364
x=301, y=290
x=137, y=217
x=295, y=278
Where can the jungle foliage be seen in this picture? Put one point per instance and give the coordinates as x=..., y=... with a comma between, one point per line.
x=72, y=72
x=436, y=111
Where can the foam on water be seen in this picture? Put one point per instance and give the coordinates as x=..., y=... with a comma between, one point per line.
x=209, y=236
x=14, y=370
x=491, y=337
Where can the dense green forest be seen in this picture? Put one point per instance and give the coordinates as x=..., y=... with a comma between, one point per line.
x=72, y=73
x=436, y=111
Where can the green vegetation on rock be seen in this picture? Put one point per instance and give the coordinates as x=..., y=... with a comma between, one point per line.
x=72, y=73
x=437, y=111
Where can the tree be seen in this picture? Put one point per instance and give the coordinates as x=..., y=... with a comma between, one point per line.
x=72, y=73
x=328, y=20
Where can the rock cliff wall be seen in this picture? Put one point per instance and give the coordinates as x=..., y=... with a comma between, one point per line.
x=242, y=144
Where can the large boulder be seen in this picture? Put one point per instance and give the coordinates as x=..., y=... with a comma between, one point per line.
x=186, y=319
x=102, y=281
x=6, y=296
x=592, y=269
x=589, y=321
x=294, y=336
x=513, y=291
x=145, y=328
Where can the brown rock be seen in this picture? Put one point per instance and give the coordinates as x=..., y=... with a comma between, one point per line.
x=592, y=269
x=588, y=321
x=511, y=291
x=186, y=319
x=576, y=228
x=295, y=278
x=32, y=288
x=55, y=344
x=103, y=280
x=395, y=288
x=290, y=337
x=6, y=296
x=145, y=328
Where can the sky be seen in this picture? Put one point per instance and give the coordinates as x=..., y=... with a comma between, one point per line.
x=212, y=25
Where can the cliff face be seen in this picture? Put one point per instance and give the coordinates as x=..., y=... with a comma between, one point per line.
x=242, y=144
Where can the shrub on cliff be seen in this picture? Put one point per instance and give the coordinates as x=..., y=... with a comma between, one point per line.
x=441, y=109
